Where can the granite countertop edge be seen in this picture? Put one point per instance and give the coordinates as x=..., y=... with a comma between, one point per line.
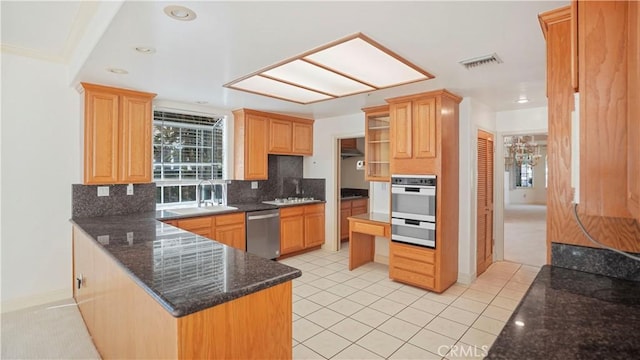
x=179, y=311
x=167, y=214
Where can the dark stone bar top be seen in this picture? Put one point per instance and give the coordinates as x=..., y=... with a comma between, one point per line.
x=184, y=272
x=569, y=314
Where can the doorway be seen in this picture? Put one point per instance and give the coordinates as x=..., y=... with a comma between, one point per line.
x=353, y=189
x=484, y=223
x=525, y=190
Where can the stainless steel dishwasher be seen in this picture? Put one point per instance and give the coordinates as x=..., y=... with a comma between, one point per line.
x=263, y=233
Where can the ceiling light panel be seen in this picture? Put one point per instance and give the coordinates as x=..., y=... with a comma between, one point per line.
x=274, y=88
x=304, y=74
x=361, y=60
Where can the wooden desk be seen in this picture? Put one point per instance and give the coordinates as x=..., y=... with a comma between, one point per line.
x=363, y=230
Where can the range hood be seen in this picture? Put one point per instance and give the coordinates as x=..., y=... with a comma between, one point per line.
x=350, y=152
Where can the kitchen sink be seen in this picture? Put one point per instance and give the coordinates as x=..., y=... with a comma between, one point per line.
x=201, y=210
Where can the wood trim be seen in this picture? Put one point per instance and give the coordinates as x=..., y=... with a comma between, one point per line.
x=271, y=115
x=119, y=91
x=376, y=110
x=552, y=17
x=442, y=92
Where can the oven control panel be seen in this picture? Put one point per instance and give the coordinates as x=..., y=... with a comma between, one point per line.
x=416, y=180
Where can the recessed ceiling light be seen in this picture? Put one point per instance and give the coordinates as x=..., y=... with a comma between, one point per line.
x=352, y=65
x=117, y=71
x=145, y=50
x=180, y=13
x=522, y=100
x=519, y=323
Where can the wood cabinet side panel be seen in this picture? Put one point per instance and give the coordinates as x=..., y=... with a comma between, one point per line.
x=239, y=138
x=633, y=110
x=256, y=326
x=602, y=38
x=561, y=226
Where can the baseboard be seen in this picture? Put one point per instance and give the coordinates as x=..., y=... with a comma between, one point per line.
x=381, y=259
x=35, y=300
x=466, y=278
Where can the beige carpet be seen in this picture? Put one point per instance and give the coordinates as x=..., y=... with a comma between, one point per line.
x=52, y=331
x=525, y=229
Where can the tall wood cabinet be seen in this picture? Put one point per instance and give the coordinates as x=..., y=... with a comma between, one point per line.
x=377, y=142
x=424, y=140
x=602, y=24
x=117, y=135
x=417, y=136
x=259, y=133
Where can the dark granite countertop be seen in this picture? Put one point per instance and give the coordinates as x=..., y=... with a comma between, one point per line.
x=167, y=214
x=569, y=314
x=184, y=272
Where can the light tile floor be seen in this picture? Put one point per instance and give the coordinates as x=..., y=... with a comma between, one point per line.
x=361, y=314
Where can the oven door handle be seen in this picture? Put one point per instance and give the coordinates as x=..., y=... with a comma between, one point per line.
x=412, y=190
x=413, y=223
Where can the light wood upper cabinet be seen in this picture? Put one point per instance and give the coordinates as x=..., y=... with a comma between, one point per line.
x=117, y=135
x=417, y=134
x=303, y=138
x=280, y=136
x=251, y=133
x=258, y=133
x=376, y=153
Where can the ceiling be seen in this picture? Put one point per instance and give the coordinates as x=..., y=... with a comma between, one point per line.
x=228, y=40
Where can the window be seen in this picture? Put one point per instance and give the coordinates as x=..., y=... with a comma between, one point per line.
x=524, y=175
x=186, y=149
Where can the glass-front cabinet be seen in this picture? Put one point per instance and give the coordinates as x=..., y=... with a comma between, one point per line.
x=377, y=143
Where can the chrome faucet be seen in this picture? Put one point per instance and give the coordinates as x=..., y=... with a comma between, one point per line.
x=213, y=183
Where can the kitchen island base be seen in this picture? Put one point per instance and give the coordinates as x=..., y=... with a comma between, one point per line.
x=125, y=322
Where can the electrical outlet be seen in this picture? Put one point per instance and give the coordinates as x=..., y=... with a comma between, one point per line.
x=130, y=189
x=254, y=185
x=103, y=239
x=130, y=238
x=103, y=191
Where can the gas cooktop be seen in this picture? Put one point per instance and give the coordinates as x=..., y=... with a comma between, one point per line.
x=291, y=201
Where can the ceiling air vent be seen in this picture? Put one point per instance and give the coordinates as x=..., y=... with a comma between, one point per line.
x=481, y=60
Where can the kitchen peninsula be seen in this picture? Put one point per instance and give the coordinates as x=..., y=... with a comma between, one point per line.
x=149, y=290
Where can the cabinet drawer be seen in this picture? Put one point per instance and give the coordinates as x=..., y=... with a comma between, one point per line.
x=345, y=204
x=412, y=278
x=419, y=267
x=359, y=203
x=195, y=223
x=367, y=228
x=412, y=252
x=358, y=210
x=237, y=218
x=291, y=211
x=312, y=209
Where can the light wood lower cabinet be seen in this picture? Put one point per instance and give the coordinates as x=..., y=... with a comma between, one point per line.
x=228, y=229
x=412, y=264
x=301, y=227
x=350, y=208
x=127, y=323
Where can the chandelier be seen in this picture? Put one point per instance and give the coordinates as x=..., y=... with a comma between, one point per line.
x=521, y=150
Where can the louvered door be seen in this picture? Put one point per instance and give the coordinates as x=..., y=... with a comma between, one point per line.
x=485, y=201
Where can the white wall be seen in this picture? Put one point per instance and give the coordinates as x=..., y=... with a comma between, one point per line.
x=474, y=116
x=41, y=158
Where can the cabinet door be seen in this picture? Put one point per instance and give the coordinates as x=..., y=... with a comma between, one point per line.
x=255, y=157
x=135, y=127
x=424, y=128
x=401, y=129
x=344, y=221
x=231, y=235
x=202, y=226
x=291, y=234
x=280, y=132
x=101, y=112
x=83, y=268
x=302, y=138
x=314, y=229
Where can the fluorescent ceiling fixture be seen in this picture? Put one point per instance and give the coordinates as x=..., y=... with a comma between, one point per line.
x=269, y=87
x=348, y=66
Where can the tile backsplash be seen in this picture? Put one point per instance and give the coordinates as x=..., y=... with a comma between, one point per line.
x=593, y=260
x=85, y=201
x=285, y=180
